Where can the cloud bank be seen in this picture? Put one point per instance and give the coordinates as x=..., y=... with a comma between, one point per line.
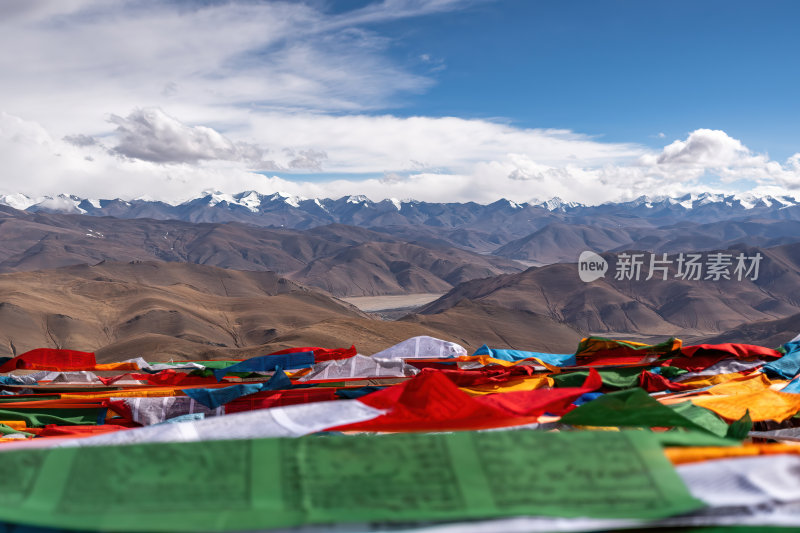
x=166, y=99
x=153, y=154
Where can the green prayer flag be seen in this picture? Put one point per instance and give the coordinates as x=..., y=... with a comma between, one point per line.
x=688, y=437
x=41, y=417
x=635, y=408
x=39, y=398
x=618, y=378
x=742, y=427
x=271, y=483
x=8, y=430
x=703, y=417
x=671, y=372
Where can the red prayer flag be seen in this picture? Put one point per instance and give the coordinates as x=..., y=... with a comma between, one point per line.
x=741, y=351
x=432, y=402
x=51, y=359
x=322, y=354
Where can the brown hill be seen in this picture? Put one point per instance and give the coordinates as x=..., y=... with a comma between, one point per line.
x=476, y=322
x=376, y=268
x=173, y=310
x=770, y=333
x=366, y=262
x=657, y=307
x=164, y=311
x=564, y=241
x=561, y=242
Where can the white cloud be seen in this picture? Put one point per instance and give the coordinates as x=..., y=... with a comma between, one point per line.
x=714, y=153
x=36, y=163
x=80, y=140
x=68, y=64
x=705, y=148
x=152, y=135
x=430, y=159
x=28, y=10
x=306, y=159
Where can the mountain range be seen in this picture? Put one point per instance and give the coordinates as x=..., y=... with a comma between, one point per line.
x=536, y=232
x=188, y=311
x=344, y=260
x=728, y=310
x=177, y=310
x=163, y=311
x=233, y=276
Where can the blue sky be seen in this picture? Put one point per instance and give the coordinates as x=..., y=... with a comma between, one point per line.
x=430, y=99
x=624, y=70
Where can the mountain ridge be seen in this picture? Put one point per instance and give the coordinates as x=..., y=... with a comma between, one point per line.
x=254, y=201
x=671, y=307
x=164, y=311
x=35, y=241
x=502, y=228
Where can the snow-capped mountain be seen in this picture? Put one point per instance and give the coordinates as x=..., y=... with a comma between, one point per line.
x=62, y=203
x=555, y=204
x=537, y=232
x=18, y=201
x=470, y=225
x=744, y=201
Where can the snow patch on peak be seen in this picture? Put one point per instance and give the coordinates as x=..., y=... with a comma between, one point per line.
x=785, y=201
x=397, y=203
x=18, y=201
x=358, y=199
x=555, y=203
x=148, y=198
x=319, y=204
x=686, y=201
x=293, y=201
x=751, y=200
x=219, y=197
x=709, y=198
x=691, y=200
x=61, y=204
x=214, y=197
x=286, y=198
x=249, y=199
x=649, y=202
